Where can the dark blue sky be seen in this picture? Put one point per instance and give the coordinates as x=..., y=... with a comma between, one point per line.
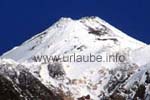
x=21, y=19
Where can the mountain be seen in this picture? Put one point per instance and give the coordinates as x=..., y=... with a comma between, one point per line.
x=91, y=33
x=92, y=61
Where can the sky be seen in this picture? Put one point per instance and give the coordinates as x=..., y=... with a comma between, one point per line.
x=22, y=19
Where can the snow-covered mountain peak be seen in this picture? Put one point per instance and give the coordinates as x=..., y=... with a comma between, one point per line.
x=70, y=36
x=85, y=79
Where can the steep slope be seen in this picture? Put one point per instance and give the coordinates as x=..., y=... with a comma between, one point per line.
x=18, y=83
x=95, y=80
x=67, y=35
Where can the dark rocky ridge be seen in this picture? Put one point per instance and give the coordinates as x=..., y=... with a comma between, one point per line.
x=22, y=86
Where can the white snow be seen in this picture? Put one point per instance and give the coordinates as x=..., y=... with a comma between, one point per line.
x=68, y=36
